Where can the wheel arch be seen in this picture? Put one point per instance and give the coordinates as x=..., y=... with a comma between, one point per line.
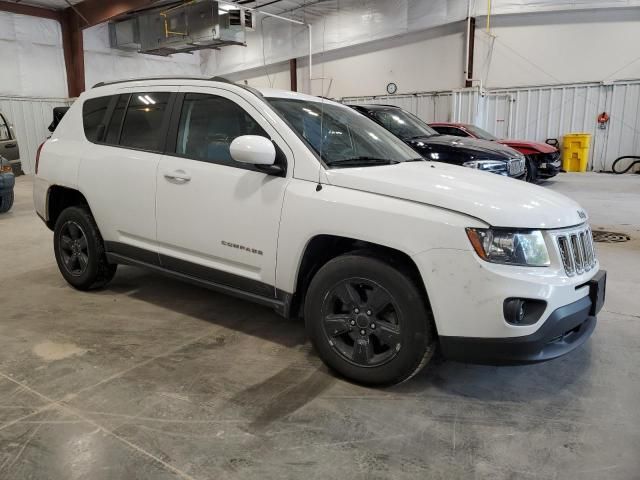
x=322, y=248
x=59, y=198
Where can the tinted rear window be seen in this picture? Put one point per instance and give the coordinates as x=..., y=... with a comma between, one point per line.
x=143, y=121
x=93, y=116
x=113, y=132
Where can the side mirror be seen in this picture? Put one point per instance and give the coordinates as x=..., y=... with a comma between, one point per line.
x=253, y=149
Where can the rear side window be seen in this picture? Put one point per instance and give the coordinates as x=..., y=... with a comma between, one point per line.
x=456, y=132
x=143, y=121
x=94, y=111
x=208, y=125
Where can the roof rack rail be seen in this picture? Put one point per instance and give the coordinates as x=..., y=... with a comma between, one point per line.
x=212, y=79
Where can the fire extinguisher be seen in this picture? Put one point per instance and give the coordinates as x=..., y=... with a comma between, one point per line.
x=603, y=119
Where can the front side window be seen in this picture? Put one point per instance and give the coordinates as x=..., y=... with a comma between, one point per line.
x=142, y=127
x=341, y=136
x=93, y=115
x=208, y=125
x=403, y=124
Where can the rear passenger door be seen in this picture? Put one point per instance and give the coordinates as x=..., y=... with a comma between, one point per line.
x=218, y=219
x=127, y=135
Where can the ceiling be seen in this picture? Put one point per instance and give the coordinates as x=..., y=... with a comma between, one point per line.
x=51, y=4
x=289, y=8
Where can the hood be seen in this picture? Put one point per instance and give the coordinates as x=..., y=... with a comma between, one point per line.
x=496, y=200
x=475, y=148
x=525, y=144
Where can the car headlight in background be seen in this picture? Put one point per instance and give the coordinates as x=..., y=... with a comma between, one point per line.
x=511, y=247
x=487, y=165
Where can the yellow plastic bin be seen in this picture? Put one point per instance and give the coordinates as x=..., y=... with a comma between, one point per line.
x=575, y=152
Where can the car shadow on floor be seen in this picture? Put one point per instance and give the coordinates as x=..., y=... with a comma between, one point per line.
x=206, y=305
x=488, y=383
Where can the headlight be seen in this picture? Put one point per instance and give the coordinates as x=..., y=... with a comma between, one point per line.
x=487, y=165
x=510, y=247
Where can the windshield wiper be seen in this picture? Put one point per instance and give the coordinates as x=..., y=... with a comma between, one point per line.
x=356, y=161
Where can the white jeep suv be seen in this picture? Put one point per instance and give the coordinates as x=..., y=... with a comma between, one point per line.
x=306, y=206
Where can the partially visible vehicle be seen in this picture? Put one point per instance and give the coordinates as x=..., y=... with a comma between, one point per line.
x=543, y=160
x=479, y=154
x=7, y=181
x=9, y=143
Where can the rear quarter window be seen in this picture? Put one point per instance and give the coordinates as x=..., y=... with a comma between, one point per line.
x=94, y=111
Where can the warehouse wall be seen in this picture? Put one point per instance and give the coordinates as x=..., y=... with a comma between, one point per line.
x=558, y=47
x=427, y=60
x=29, y=47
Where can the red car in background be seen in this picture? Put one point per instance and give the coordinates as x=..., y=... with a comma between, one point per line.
x=543, y=160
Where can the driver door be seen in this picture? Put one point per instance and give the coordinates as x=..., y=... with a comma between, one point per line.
x=218, y=219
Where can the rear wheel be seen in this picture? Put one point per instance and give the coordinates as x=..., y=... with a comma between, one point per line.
x=369, y=321
x=6, y=202
x=79, y=250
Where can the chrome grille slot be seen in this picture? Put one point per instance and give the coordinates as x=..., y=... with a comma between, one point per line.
x=576, y=251
x=565, y=254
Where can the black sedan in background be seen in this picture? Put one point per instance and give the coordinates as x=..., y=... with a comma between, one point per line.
x=481, y=154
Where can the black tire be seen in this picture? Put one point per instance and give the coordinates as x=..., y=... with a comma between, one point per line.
x=93, y=271
x=6, y=202
x=532, y=171
x=415, y=342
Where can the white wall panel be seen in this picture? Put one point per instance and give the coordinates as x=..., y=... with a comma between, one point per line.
x=30, y=118
x=30, y=51
x=558, y=47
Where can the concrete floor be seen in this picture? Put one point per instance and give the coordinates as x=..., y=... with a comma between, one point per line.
x=154, y=379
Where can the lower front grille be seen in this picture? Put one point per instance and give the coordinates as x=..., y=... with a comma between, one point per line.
x=577, y=251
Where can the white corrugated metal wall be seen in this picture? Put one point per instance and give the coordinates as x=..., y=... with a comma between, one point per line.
x=30, y=118
x=539, y=113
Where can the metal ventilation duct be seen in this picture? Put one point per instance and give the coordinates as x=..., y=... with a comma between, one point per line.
x=195, y=25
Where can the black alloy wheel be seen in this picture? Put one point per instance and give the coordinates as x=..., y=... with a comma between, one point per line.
x=362, y=322
x=79, y=249
x=369, y=318
x=74, y=248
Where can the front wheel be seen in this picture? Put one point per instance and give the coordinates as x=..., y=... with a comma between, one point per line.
x=79, y=250
x=532, y=171
x=369, y=321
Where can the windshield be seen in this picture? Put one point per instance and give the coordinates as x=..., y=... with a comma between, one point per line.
x=480, y=133
x=403, y=124
x=341, y=136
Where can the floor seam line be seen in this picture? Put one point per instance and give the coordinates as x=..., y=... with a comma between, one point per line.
x=74, y=412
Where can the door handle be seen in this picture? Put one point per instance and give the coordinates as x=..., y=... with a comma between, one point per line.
x=11, y=145
x=179, y=176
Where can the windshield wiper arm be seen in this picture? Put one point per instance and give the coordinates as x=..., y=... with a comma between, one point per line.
x=362, y=161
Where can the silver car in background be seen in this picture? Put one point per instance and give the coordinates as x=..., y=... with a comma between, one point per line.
x=9, y=143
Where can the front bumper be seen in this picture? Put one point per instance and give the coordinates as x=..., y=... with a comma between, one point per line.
x=566, y=329
x=549, y=165
x=7, y=182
